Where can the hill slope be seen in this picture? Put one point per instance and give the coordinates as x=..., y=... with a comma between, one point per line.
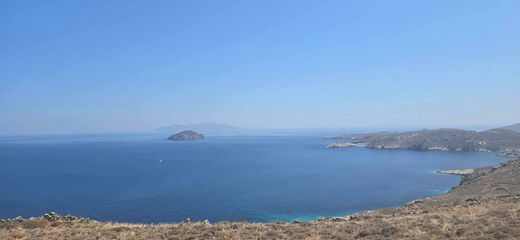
x=506, y=142
x=514, y=127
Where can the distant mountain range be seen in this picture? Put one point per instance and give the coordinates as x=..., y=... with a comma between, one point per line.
x=207, y=128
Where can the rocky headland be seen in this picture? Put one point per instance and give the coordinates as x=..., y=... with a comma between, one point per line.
x=342, y=145
x=457, y=171
x=186, y=135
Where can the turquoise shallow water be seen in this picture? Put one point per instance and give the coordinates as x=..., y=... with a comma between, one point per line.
x=143, y=178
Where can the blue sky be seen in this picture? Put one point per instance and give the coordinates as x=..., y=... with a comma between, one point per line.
x=110, y=66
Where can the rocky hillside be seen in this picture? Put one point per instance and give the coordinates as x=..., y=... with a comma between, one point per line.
x=514, y=127
x=484, y=184
x=485, y=206
x=507, y=142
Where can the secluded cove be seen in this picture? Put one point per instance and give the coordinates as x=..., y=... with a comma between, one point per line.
x=268, y=178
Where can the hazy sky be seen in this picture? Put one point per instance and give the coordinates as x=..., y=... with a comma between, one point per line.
x=102, y=66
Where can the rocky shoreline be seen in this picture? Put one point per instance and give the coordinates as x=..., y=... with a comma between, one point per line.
x=342, y=145
x=456, y=172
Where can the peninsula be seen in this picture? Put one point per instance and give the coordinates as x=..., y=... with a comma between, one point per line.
x=504, y=141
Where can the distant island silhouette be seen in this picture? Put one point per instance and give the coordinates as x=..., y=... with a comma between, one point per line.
x=186, y=135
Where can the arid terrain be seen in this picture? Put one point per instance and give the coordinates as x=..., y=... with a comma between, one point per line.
x=243, y=119
x=486, y=205
x=504, y=141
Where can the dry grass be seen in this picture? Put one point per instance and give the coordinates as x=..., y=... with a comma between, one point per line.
x=494, y=219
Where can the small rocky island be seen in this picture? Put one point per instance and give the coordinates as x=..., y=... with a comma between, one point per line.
x=186, y=135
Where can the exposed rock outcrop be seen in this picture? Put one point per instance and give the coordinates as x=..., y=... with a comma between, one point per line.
x=457, y=172
x=50, y=217
x=342, y=145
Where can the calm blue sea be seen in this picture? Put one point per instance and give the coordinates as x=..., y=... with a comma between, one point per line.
x=143, y=178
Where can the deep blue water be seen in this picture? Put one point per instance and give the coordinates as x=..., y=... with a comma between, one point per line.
x=147, y=179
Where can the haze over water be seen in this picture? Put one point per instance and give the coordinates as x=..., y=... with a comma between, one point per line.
x=144, y=178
